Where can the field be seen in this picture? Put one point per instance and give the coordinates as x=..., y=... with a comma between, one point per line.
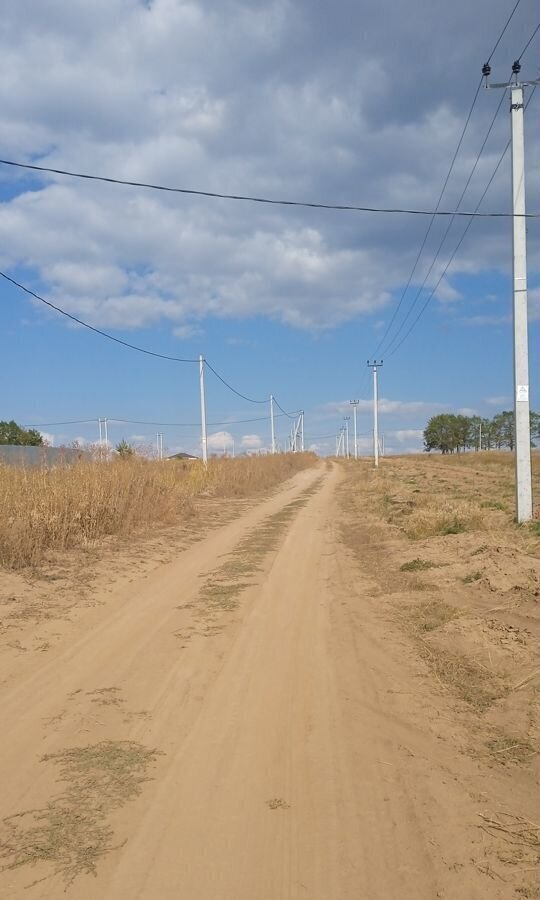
x=285, y=677
x=46, y=510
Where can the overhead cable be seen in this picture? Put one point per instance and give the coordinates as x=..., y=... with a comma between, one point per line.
x=231, y=388
x=267, y=200
x=104, y=334
x=447, y=231
x=424, y=307
x=460, y=141
x=111, y=337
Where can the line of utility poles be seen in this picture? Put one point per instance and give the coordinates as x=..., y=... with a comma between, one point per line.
x=296, y=438
x=524, y=502
x=342, y=439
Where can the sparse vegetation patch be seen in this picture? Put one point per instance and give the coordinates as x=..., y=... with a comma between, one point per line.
x=417, y=565
x=71, y=833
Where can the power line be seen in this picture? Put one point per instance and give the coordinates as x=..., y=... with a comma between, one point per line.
x=342, y=207
x=144, y=350
x=499, y=39
x=424, y=307
x=114, y=420
x=104, y=334
x=430, y=225
x=56, y=424
x=231, y=388
x=292, y=415
x=396, y=311
x=449, y=226
x=529, y=42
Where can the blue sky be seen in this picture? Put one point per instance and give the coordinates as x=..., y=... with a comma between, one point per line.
x=271, y=99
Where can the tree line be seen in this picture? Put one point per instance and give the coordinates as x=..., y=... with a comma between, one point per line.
x=451, y=433
x=11, y=433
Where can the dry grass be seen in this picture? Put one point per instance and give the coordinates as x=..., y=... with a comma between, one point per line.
x=463, y=676
x=71, y=832
x=54, y=509
x=510, y=750
x=449, y=517
x=431, y=615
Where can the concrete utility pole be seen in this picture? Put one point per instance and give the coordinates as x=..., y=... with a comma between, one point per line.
x=347, y=420
x=204, y=437
x=524, y=505
x=354, y=404
x=302, y=431
x=299, y=423
x=272, y=423
x=105, y=442
x=375, y=365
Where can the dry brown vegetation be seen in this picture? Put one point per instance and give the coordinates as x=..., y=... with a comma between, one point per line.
x=55, y=509
x=445, y=526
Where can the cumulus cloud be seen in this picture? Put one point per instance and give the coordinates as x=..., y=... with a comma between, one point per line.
x=251, y=441
x=275, y=98
x=387, y=407
x=220, y=440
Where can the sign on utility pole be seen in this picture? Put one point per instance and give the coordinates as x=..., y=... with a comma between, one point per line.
x=522, y=427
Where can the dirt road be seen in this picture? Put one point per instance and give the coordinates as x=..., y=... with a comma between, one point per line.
x=243, y=724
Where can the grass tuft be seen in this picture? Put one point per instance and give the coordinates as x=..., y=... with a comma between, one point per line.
x=473, y=576
x=417, y=565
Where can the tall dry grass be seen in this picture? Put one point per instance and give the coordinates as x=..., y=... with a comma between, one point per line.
x=52, y=509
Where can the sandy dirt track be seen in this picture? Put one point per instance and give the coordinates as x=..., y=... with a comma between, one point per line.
x=298, y=755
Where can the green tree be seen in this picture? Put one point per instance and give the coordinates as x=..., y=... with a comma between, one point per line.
x=442, y=433
x=124, y=449
x=535, y=428
x=11, y=433
x=503, y=430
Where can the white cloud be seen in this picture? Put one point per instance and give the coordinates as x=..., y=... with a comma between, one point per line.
x=220, y=440
x=279, y=102
x=47, y=437
x=500, y=400
x=187, y=331
x=251, y=441
x=387, y=407
x=407, y=434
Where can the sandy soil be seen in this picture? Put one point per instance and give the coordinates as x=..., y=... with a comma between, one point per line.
x=246, y=719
